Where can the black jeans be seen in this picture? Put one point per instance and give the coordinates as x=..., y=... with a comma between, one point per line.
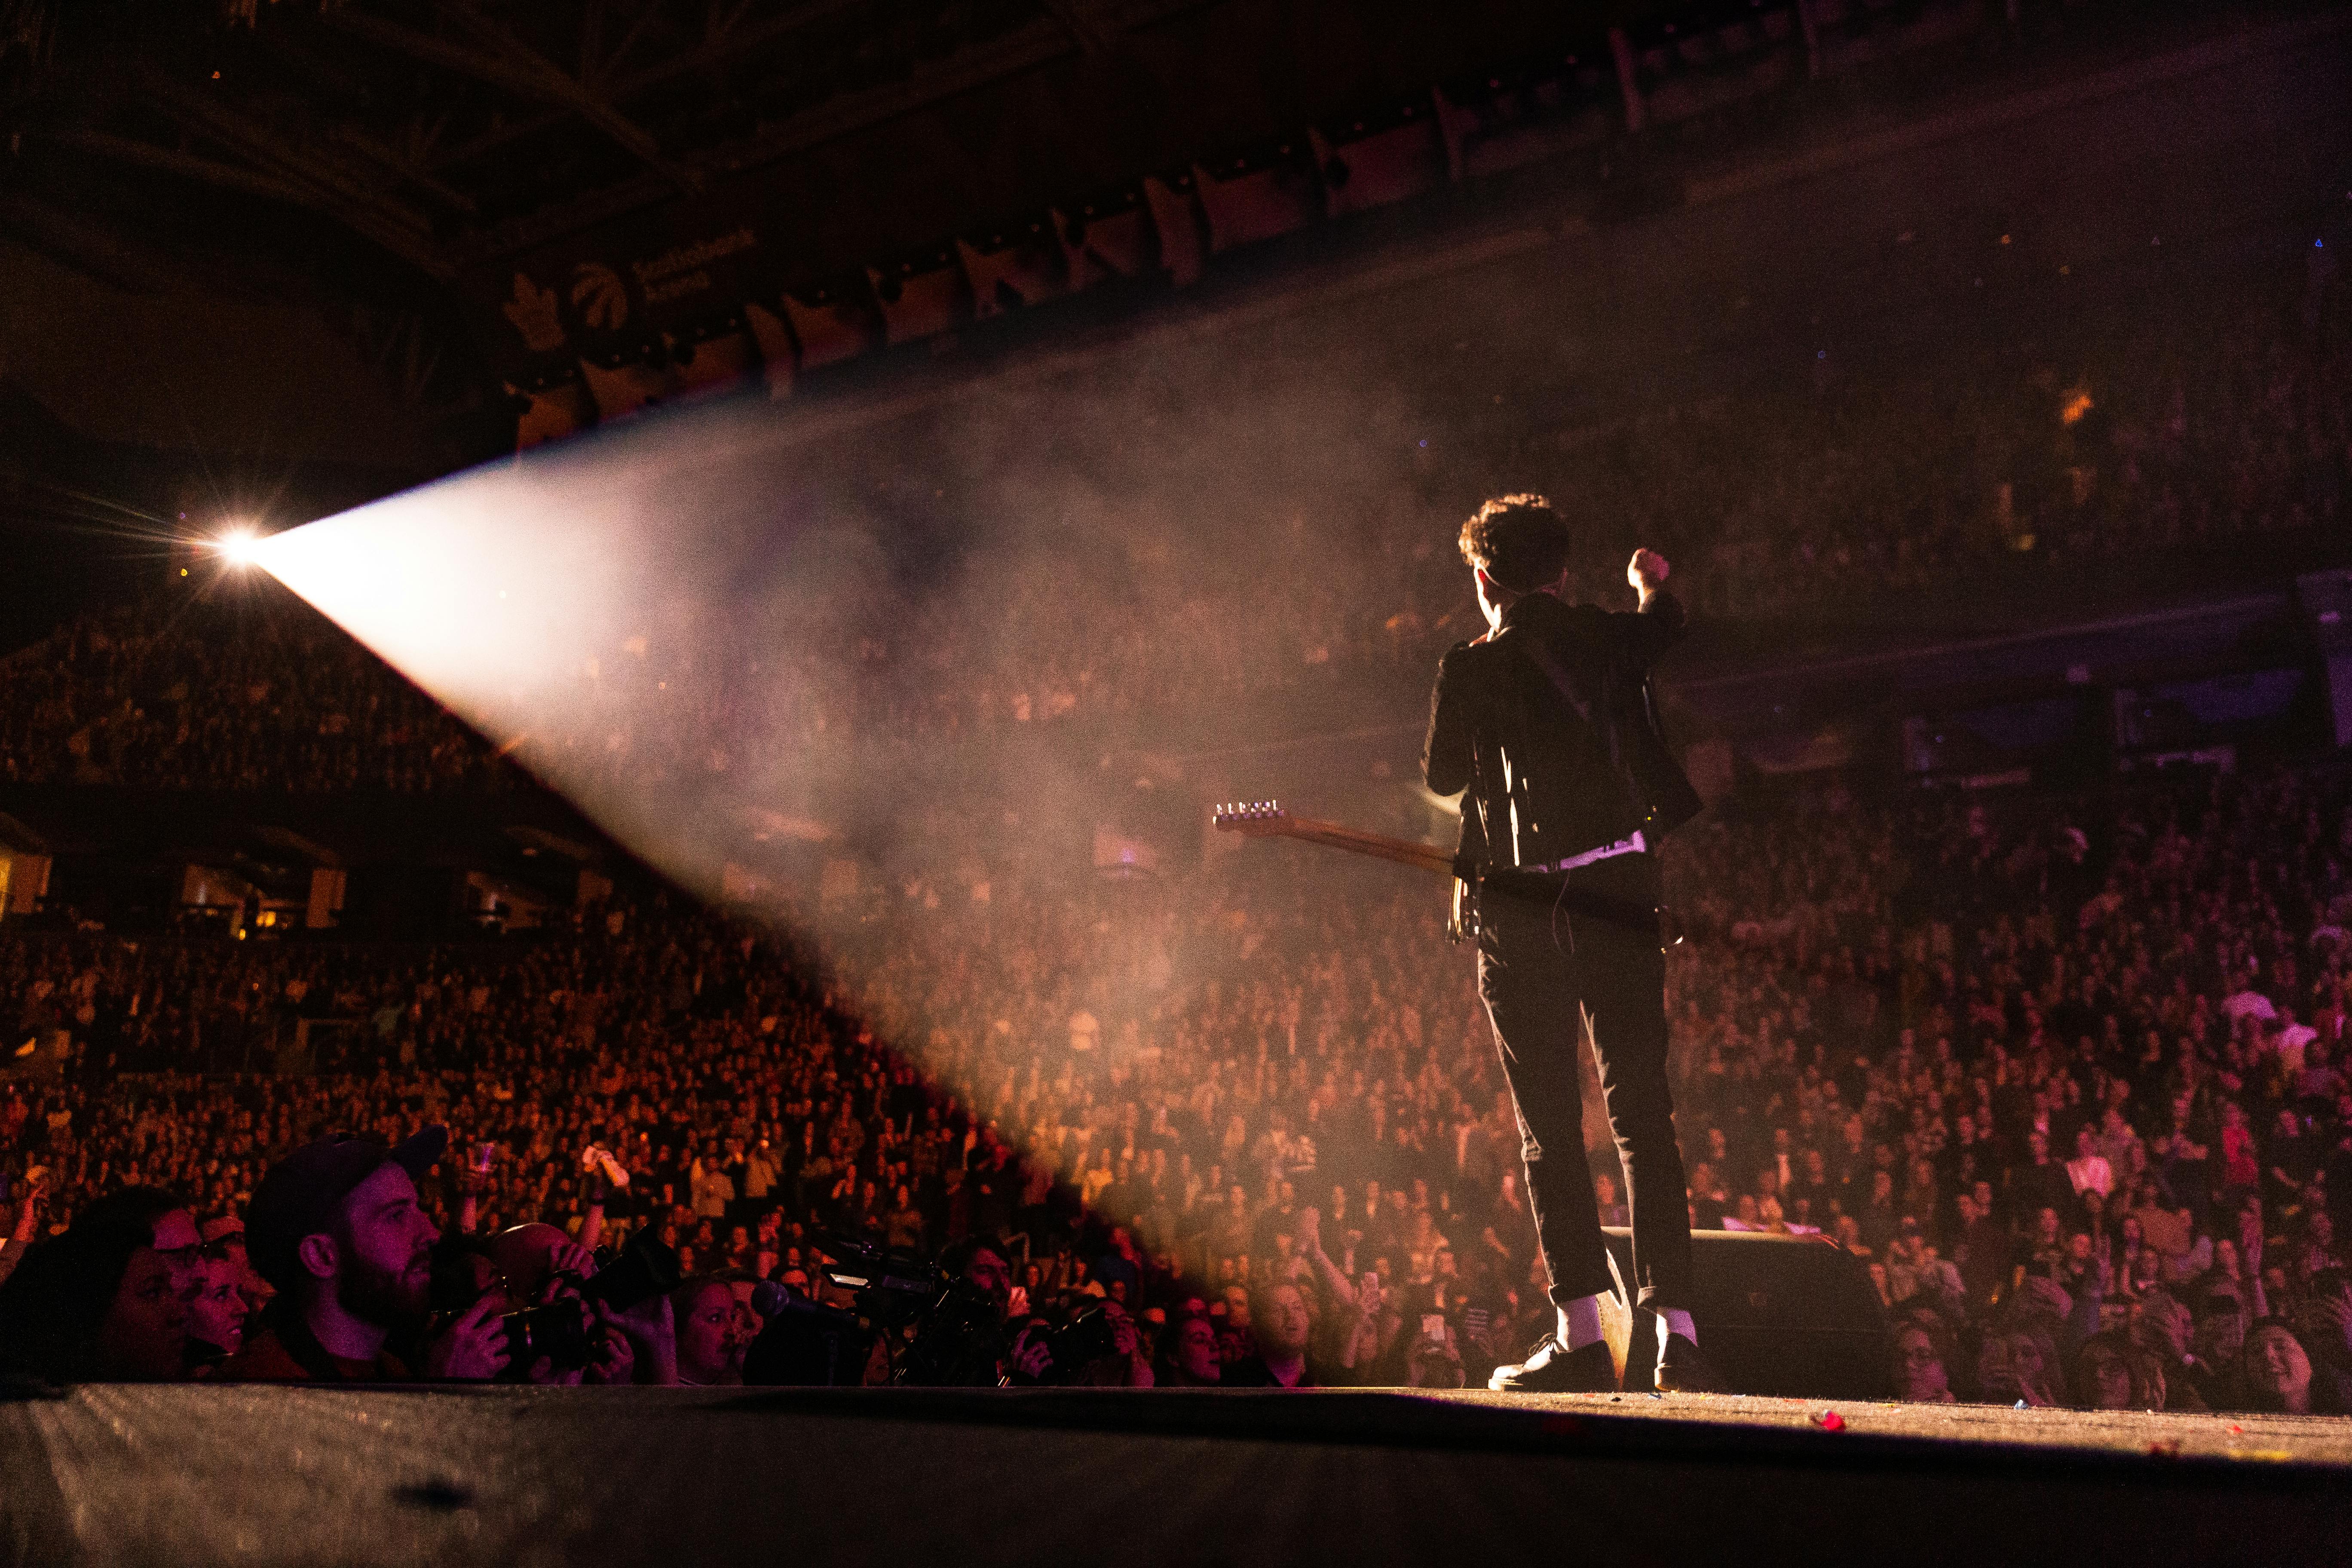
x=1557, y=954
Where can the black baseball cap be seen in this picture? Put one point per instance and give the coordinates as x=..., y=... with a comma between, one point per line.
x=299, y=1195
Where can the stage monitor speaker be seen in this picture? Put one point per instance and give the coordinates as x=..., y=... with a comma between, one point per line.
x=1794, y=1315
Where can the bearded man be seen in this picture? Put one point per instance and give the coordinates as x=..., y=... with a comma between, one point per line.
x=336, y=1228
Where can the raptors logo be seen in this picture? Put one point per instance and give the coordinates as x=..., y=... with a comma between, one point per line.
x=532, y=312
x=600, y=296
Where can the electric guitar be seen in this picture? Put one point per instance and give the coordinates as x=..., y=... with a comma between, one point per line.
x=1266, y=819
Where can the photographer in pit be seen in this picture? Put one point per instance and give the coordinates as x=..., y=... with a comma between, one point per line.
x=1087, y=1342
x=336, y=1227
x=878, y=1317
x=961, y=1334
x=838, y=1331
x=1080, y=1340
x=576, y=1322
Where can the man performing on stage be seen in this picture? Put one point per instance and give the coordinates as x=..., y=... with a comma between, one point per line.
x=1546, y=722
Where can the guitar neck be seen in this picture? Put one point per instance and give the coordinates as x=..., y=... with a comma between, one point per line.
x=1403, y=851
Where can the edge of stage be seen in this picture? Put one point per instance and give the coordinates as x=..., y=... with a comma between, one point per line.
x=257, y=1474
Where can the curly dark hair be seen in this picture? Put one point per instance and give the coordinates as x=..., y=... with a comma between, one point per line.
x=1518, y=541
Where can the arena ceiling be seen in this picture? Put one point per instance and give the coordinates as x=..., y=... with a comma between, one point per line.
x=327, y=224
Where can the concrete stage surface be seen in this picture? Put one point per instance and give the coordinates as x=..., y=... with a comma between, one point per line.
x=264, y=1475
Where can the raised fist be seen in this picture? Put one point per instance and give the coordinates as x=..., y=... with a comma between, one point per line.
x=1646, y=570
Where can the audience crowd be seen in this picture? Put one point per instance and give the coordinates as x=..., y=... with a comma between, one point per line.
x=2066, y=1074
x=234, y=696
x=2060, y=1072
x=2112, y=431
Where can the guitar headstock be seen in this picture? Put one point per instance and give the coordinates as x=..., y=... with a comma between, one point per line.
x=1255, y=819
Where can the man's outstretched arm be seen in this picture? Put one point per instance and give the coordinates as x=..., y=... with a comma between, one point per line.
x=1660, y=623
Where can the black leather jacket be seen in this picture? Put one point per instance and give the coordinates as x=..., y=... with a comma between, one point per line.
x=1548, y=722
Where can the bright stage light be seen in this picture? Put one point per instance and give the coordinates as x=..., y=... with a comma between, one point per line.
x=487, y=590
x=239, y=546
x=496, y=590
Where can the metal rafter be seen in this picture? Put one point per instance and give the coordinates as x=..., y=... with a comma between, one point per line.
x=707, y=55
x=321, y=185
x=171, y=161
x=718, y=47
x=1091, y=26
x=311, y=74
x=97, y=249
x=1024, y=47
x=505, y=62
x=597, y=63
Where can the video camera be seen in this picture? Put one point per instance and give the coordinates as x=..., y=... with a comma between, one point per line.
x=805, y=1343
x=891, y=1288
x=957, y=1328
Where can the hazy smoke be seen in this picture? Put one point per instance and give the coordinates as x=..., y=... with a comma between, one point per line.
x=969, y=637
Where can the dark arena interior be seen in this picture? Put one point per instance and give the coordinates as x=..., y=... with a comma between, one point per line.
x=1175, y=781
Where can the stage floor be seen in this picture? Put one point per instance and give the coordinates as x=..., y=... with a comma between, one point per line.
x=268, y=1475
x=2323, y=1440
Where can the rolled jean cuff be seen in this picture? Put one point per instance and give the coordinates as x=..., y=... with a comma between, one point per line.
x=1562, y=1294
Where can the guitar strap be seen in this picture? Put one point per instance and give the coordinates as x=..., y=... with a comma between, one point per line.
x=1558, y=889
x=1541, y=658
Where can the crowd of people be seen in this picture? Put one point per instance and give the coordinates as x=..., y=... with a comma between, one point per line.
x=2048, y=1080
x=2067, y=1075
x=660, y=1072
x=2064, y=1078
x=235, y=696
x=2062, y=1073
x=1208, y=557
